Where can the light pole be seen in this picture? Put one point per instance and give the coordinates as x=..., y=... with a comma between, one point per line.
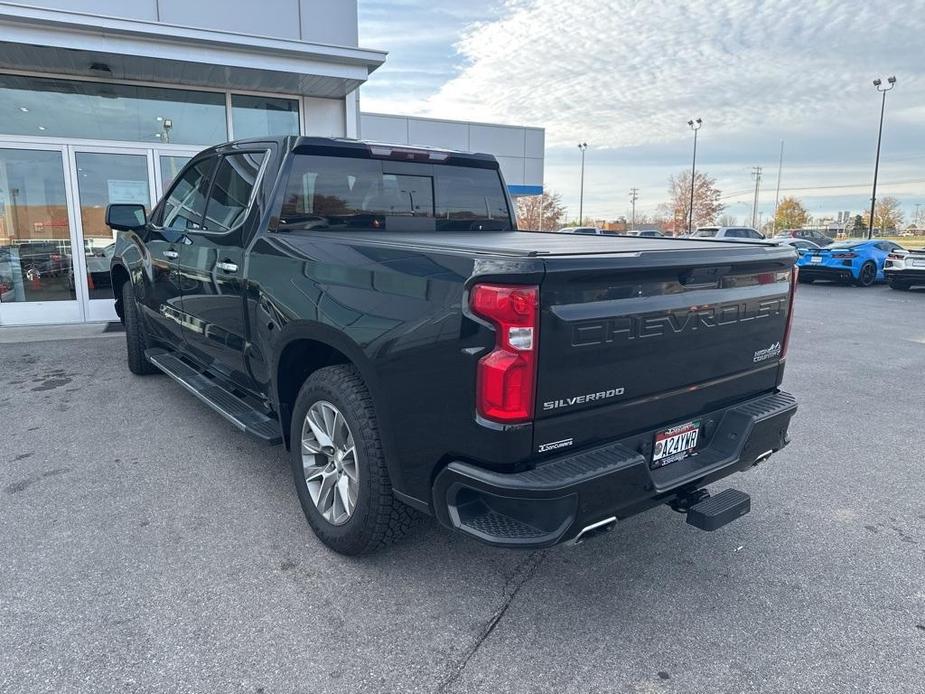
x=581, y=194
x=695, y=126
x=756, y=172
x=780, y=168
x=634, y=196
x=873, y=196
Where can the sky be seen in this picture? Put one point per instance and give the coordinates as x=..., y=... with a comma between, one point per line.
x=625, y=76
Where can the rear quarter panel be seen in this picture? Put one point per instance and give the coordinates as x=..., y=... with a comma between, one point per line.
x=397, y=314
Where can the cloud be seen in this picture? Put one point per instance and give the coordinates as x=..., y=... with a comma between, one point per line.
x=626, y=75
x=625, y=72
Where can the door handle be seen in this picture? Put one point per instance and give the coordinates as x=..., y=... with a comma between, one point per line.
x=226, y=266
x=173, y=255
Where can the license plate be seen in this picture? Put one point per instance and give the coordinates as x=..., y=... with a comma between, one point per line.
x=676, y=443
x=918, y=263
x=816, y=259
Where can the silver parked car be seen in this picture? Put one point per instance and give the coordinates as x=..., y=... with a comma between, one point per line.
x=746, y=234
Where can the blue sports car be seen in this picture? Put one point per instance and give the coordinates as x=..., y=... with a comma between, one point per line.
x=860, y=262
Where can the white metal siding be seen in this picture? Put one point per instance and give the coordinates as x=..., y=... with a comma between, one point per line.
x=332, y=22
x=519, y=150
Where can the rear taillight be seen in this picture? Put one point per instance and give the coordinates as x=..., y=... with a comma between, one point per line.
x=844, y=255
x=507, y=375
x=793, y=292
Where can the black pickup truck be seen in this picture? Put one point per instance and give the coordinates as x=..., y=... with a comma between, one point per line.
x=375, y=309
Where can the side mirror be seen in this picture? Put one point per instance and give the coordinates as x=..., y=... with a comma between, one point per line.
x=124, y=217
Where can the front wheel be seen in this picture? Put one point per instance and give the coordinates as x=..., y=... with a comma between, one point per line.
x=136, y=341
x=868, y=274
x=901, y=286
x=339, y=466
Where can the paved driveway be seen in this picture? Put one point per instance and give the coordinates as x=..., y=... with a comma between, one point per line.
x=148, y=546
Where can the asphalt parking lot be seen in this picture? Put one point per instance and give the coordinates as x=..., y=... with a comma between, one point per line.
x=148, y=546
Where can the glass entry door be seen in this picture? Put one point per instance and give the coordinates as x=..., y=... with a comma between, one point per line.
x=37, y=237
x=103, y=176
x=55, y=247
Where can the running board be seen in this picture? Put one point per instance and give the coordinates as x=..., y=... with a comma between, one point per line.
x=242, y=415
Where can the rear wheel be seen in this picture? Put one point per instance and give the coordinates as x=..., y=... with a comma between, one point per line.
x=339, y=466
x=805, y=280
x=868, y=274
x=136, y=341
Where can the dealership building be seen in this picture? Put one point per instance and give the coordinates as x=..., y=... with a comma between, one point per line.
x=104, y=101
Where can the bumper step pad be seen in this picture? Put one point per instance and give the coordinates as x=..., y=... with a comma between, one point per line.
x=715, y=511
x=562, y=497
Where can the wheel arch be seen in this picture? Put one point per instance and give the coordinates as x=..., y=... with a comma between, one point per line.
x=119, y=275
x=304, y=347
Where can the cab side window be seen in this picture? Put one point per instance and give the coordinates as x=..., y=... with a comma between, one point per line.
x=184, y=207
x=231, y=191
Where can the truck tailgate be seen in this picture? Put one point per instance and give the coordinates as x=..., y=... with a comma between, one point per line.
x=631, y=343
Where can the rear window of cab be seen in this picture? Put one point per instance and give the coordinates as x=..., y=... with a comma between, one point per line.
x=352, y=193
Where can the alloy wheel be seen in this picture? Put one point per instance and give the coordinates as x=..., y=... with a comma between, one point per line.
x=329, y=461
x=868, y=274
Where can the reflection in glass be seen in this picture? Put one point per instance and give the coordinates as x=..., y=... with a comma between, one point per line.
x=329, y=192
x=186, y=202
x=35, y=246
x=103, y=179
x=231, y=190
x=99, y=111
x=170, y=167
x=263, y=116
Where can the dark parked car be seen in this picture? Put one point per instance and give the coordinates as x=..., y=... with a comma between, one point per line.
x=374, y=309
x=817, y=237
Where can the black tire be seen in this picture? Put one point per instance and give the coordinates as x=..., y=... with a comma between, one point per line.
x=805, y=280
x=378, y=518
x=867, y=275
x=901, y=286
x=136, y=341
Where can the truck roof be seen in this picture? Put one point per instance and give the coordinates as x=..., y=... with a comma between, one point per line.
x=369, y=149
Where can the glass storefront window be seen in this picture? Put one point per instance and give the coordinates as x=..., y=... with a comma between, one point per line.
x=35, y=246
x=102, y=179
x=96, y=110
x=263, y=116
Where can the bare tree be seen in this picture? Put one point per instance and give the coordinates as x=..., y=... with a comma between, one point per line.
x=888, y=213
x=544, y=212
x=728, y=220
x=707, y=205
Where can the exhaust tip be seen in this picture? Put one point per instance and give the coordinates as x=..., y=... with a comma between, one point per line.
x=595, y=529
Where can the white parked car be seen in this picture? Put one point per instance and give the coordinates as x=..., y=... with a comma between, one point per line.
x=904, y=269
x=595, y=231
x=648, y=233
x=746, y=234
